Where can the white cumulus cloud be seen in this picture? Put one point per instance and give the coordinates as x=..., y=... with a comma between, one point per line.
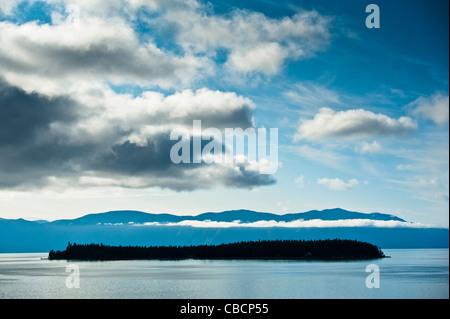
x=434, y=107
x=352, y=124
x=254, y=41
x=52, y=59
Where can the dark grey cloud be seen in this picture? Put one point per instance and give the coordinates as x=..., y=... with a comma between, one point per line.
x=29, y=150
x=152, y=162
x=248, y=179
x=24, y=115
x=131, y=158
x=40, y=143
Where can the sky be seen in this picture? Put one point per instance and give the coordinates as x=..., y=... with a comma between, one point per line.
x=91, y=90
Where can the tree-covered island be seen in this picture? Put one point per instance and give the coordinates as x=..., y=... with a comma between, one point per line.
x=328, y=249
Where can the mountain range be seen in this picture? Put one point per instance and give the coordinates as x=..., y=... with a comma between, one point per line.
x=244, y=216
x=145, y=229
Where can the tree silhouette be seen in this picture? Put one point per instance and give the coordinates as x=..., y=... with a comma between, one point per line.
x=334, y=249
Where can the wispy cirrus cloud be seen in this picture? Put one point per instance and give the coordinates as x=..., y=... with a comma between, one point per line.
x=369, y=148
x=313, y=96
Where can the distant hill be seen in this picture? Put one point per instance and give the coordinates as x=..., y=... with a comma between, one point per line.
x=244, y=216
x=122, y=228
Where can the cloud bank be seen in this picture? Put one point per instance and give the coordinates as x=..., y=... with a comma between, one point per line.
x=103, y=42
x=314, y=223
x=64, y=123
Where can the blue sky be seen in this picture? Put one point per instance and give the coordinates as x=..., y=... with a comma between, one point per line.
x=362, y=114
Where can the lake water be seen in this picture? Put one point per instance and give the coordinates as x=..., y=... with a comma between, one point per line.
x=409, y=273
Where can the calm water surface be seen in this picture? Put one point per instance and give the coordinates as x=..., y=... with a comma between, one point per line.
x=409, y=273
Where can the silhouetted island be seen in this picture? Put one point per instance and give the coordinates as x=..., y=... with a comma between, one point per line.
x=332, y=249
